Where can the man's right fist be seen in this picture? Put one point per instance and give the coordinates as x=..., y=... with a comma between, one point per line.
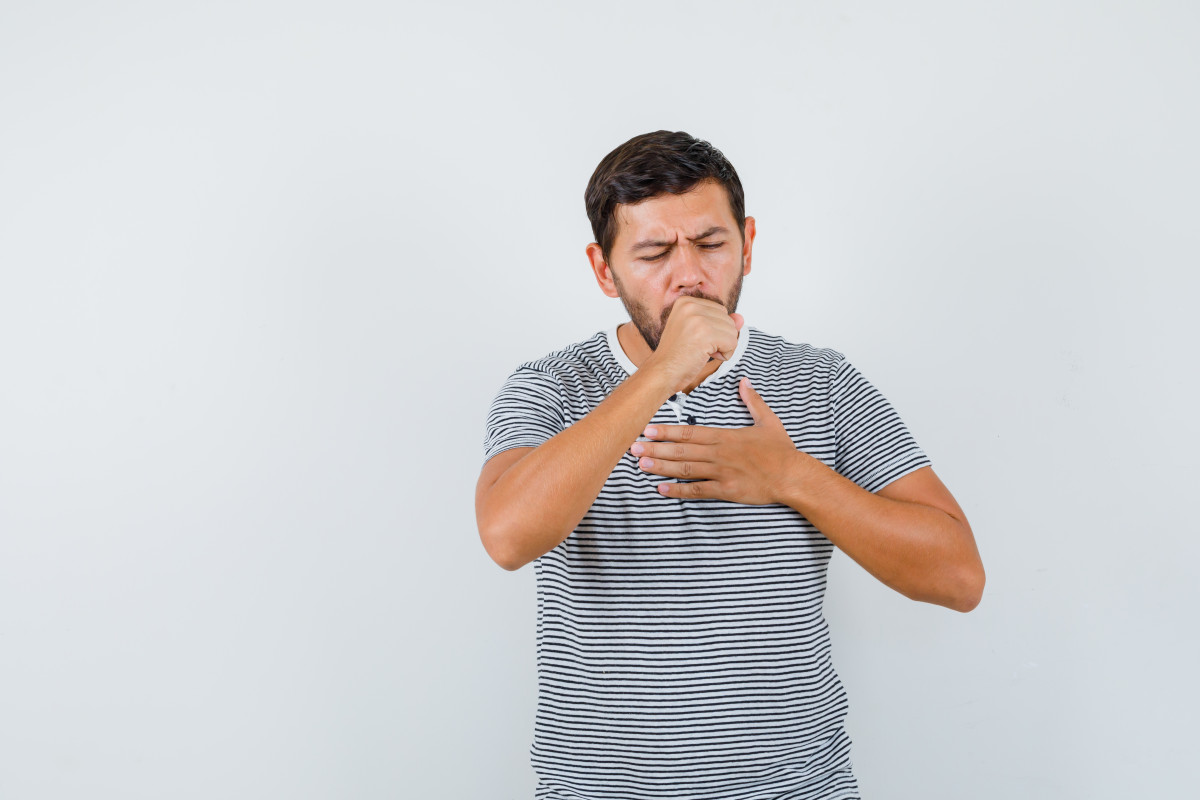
x=697, y=331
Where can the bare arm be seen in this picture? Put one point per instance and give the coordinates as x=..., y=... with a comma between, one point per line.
x=528, y=500
x=911, y=535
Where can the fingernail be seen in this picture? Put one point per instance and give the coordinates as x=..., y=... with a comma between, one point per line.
x=652, y=431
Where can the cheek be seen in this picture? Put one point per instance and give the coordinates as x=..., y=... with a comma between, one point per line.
x=650, y=281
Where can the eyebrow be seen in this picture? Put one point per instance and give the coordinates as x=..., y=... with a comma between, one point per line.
x=659, y=243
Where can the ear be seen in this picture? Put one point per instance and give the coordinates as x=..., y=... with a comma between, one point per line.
x=748, y=244
x=601, y=270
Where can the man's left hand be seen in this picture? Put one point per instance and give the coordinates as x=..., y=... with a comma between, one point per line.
x=750, y=465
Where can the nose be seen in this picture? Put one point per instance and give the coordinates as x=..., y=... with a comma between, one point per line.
x=685, y=268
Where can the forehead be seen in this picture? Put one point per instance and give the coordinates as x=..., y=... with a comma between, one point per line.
x=705, y=206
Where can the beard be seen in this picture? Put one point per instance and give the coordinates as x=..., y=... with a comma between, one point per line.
x=652, y=328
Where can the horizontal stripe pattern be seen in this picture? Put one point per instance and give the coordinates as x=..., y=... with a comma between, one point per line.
x=682, y=650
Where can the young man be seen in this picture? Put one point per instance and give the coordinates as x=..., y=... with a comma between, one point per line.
x=679, y=482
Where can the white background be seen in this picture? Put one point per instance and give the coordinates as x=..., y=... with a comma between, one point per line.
x=265, y=264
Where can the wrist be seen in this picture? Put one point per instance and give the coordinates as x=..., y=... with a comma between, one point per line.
x=659, y=375
x=799, y=478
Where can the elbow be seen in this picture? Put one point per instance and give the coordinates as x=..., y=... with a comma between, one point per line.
x=508, y=562
x=499, y=550
x=970, y=578
x=960, y=591
x=495, y=540
x=971, y=589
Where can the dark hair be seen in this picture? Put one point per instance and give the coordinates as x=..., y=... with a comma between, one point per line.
x=649, y=165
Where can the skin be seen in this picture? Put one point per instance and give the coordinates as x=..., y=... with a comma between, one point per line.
x=681, y=295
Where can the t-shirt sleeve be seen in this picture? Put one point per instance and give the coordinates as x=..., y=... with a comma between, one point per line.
x=874, y=446
x=526, y=411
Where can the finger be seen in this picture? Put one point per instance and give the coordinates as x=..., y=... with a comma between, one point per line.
x=681, y=433
x=754, y=402
x=672, y=451
x=758, y=408
x=690, y=491
x=677, y=469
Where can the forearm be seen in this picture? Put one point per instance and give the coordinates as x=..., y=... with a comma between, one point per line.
x=918, y=550
x=540, y=499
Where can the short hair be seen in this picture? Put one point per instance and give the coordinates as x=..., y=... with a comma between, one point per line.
x=652, y=164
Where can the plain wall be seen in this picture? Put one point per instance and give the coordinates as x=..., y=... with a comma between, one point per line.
x=264, y=265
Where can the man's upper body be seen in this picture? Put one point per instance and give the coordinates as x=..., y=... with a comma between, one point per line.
x=680, y=519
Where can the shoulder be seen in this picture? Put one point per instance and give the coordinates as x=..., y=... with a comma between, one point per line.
x=570, y=364
x=770, y=349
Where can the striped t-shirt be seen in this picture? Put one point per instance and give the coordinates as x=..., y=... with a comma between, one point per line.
x=682, y=650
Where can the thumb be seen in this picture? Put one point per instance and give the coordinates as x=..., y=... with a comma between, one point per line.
x=758, y=407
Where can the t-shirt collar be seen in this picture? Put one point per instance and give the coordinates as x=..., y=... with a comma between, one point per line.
x=614, y=346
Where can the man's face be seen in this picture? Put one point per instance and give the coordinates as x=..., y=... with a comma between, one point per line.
x=674, y=245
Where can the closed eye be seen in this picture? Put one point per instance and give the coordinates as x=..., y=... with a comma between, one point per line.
x=663, y=253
